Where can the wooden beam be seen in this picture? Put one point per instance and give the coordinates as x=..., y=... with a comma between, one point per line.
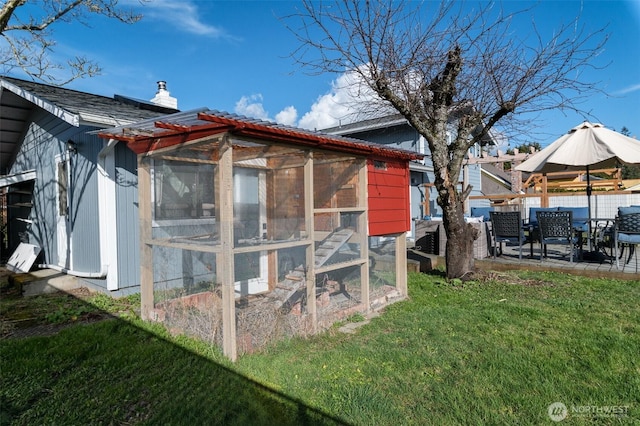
x=225, y=260
x=146, y=250
x=401, y=264
x=363, y=233
x=186, y=159
x=310, y=252
x=341, y=265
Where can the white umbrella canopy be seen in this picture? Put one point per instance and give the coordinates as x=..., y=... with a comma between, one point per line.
x=589, y=145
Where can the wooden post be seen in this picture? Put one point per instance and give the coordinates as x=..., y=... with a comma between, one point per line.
x=146, y=250
x=225, y=259
x=401, y=264
x=363, y=230
x=427, y=199
x=310, y=274
x=465, y=183
x=544, y=201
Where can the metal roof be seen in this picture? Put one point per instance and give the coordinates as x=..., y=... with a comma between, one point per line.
x=369, y=124
x=18, y=98
x=175, y=129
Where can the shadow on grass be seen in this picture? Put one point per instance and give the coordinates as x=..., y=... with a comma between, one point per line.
x=116, y=372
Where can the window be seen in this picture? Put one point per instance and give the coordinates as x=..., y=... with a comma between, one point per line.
x=183, y=190
x=379, y=165
x=62, y=189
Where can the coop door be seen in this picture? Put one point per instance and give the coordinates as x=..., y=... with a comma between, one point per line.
x=249, y=228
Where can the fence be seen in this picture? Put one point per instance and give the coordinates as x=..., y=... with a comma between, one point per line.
x=603, y=204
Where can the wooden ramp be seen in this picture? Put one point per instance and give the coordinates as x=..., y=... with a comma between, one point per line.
x=292, y=288
x=331, y=245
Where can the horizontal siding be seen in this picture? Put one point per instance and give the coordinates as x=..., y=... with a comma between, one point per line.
x=388, y=198
x=396, y=192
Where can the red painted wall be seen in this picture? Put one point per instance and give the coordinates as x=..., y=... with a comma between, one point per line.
x=388, y=192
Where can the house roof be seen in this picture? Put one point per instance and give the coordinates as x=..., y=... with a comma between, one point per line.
x=175, y=129
x=370, y=124
x=393, y=120
x=19, y=97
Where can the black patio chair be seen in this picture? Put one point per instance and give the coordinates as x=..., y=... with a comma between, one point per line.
x=506, y=227
x=556, y=227
x=627, y=232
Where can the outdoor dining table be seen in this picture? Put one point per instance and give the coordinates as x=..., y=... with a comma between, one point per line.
x=601, y=239
x=531, y=229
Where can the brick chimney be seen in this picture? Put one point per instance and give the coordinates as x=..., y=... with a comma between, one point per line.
x=163, y=97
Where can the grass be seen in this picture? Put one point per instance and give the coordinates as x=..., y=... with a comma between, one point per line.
x=496, y=351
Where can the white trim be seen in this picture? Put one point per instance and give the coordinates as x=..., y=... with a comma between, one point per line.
x=54, y=110
x=417, y=167
x=100, y=274
x=91, y=119
x=107, y=213
x=20, y=177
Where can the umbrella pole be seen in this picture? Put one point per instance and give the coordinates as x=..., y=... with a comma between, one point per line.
x=589, y=210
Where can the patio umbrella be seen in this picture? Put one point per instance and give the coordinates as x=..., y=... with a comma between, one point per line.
x=589, y=145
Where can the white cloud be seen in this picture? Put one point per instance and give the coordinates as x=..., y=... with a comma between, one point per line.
x=630, y=89
x=287, y=116
x=349, y=100
x=251, y=106
x=183, y=15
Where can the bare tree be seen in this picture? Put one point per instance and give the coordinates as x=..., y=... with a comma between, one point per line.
x=448, y=67
x=28, y=41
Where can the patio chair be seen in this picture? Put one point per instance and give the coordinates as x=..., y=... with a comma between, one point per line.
x=556, y=227
x=627, y=232
x=506, y=227
x=482, y=211
x=532, y=225
x=580, y=217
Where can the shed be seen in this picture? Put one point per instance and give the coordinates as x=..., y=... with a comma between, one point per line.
x=251, y=231
x=67, y=191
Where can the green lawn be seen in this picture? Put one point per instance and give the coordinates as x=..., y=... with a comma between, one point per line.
x=496, y=351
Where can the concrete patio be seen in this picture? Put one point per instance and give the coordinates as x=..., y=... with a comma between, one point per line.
x=558, y=260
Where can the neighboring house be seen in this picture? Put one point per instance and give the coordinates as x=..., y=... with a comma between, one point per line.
x=495, y=181
x=395, y=130
x=67, y=191
x=251, y=230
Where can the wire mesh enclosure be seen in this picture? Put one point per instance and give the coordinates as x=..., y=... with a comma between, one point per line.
x=253, y=242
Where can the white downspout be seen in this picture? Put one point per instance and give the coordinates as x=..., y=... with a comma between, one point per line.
x=101, y=274
x=107, y=213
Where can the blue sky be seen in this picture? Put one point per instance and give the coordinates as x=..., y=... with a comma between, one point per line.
x=234, y=56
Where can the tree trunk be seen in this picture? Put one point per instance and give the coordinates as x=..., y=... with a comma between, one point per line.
x=459, y=252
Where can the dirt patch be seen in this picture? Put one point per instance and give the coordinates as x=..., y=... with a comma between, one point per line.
x=42, y=315
x=483, y=276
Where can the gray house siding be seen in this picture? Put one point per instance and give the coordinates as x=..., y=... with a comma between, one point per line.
x=42, y=143
x=403, y=137
x=45, y=140
x=85, y=229
x=43, y=119
x=127, y=220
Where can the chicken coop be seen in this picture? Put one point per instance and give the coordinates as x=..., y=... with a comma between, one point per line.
x=251, y=231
